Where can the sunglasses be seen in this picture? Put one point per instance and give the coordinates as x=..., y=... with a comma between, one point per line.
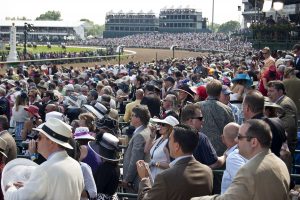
x=199, y=118
x=162, y=124
x=240, y=137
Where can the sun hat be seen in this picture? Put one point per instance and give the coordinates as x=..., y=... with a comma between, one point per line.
x=107, y=123
x=185, y=88
x=170, y=120
x=200, y=91
x=18, y=169
x=99, y=110
x=82, y=133
x=54, y=114
x=42, y=84
x=57, y=131
x=33, y=110
x=106, y=147
x=240, y=77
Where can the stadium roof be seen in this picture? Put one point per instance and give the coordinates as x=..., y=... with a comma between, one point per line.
x=42, y=23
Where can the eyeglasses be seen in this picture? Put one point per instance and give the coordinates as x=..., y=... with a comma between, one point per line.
x=240, y=137
x=199, y=118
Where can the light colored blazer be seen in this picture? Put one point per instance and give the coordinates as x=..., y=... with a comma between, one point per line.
x=58, y=178
x=187, y=178
x=135, y=152
x=263, y=177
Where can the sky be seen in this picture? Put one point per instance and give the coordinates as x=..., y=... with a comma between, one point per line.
x=95, y=10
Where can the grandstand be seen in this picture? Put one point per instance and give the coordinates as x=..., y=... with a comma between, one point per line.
x=123, y=24
x=181, y=20
x=44, y=31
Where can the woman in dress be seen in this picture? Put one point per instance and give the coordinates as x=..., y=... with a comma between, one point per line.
x=159, y=152
x=19, y=115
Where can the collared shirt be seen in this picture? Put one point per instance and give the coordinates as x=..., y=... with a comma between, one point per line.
x=52, y=154
x=237, y=113
x=234, y=162
x=177, y=159
x=138, y=129
x=281, y=97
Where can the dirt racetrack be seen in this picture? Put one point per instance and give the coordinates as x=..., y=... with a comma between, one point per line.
x=144, y=55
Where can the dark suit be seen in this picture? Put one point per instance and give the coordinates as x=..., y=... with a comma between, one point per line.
x=186, y=179
x=265, y=176
x=5, y=107
x=297, y=65
x=135, y=152
x=292, y=88
x=289, y=119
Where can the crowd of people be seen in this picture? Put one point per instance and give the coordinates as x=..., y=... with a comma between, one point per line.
x=154, y=129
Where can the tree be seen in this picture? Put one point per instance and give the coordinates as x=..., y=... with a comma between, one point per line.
x=92, y=29
x=50, y=15
x=230, y=26
x=215, y=27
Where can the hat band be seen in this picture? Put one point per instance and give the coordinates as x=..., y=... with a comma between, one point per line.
x=108, y=145
x=54, y=134
x=81, y=134
x=101, y=112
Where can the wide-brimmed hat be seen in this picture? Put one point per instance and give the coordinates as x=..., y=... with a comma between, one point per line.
x=33, y=110
x=54, y=114
x=170, y=120
x=3, y=145
x=42, y=84
x=107, y=123
x=170, y=79
x=57, y=131
x=106, y=147
x=82, y=133
x=185, y=88
x=200, y=91
x=244, y=77
x=18, y=169
x=99, y=110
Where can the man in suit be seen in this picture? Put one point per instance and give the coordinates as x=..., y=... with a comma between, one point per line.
x=264, y=176
x=60, y=177
x=296, y=49
x=186, y=177
x=135, y=151
x=216, y=115
x=276, y=93
x=292, y=86
x=11, y=148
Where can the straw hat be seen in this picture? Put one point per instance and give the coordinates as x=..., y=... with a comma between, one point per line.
x=57, y=131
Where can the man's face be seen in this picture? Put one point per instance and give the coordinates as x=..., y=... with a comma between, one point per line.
x=297, y=51
x=265, y=54
x=246, y=110
x=172, y=145
x=274, y=94
x=135, y=121
x=42, y=144
x=244, y=143
x=182, y=95
x=167, y=103
x=196, y=122
x=224, y=98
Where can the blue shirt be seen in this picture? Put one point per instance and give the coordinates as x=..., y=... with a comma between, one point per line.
x=234, y=162
x=205, y=152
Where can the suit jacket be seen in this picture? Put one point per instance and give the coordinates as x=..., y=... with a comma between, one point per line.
x=11, y=148
x=216, y=115
x=135, y=152
x=186, y=179
x=297, y=65
x=265, y=176
x=289, y=120
x=292, y=88
x=59, y=178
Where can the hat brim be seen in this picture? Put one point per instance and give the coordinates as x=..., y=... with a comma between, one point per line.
x=36, y=114
x=92, y=110
x=84, y=137
x=155, y=120
x=249, y=82
x=97, y=150
x=18, y=169
x=3, y=154
x=184, y=92
x=64, y=144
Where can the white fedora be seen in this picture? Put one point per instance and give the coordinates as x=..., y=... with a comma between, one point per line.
x=172, y=121
x=57, y=131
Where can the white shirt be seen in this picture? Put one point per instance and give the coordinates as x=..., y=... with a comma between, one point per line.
x=234, y=162
x=177, y=159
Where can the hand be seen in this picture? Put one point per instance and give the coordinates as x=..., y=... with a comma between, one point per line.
x=18, y=184
x=141, y=169
x=32, y=147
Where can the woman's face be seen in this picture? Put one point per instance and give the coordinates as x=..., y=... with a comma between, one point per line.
x=164, y=129
x=82, y=123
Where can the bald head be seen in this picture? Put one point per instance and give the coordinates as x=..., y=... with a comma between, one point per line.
x=139, y=94
x=50, y=108
x=230, y=132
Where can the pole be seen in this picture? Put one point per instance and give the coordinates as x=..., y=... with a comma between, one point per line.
x=119, y=56
x=173, y=52
x=25, y=43
x=212, y=16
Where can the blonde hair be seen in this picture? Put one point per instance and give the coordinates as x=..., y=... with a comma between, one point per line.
x=89, y=120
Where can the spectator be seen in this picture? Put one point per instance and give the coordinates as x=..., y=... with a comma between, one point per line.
x=183, y=141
